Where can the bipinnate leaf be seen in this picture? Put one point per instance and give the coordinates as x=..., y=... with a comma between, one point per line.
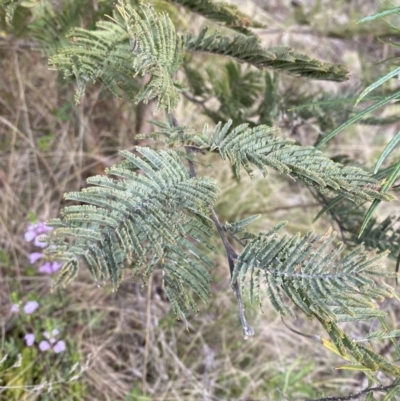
x=154, y=215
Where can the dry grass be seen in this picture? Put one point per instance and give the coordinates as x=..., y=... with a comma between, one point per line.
x=133, y=346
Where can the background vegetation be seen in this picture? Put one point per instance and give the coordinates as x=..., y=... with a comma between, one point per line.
x=127, y=345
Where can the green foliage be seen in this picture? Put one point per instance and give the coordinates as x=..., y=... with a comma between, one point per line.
x=10, y=6
x=106, y=54
x=247, y=49
x=25, y=371
x=50, y=24
x=316, y=280
x=102, y=54
x=381, y=14
x=224, y=13
x=382, y=235
x=258, y=146
x=323, y=285
x=357, y=117
x=386, y=152
x=244, y=146
x=390, y=180
x=152, y=211
x=152, y=220
x=158, y=52
x=382, y=100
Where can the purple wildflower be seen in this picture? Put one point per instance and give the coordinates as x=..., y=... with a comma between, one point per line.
x=50, y=267
x=30, y=233
x=30, y=307
x=54, y=333
x=59, y=346
x=34, y=257
x=29, y=339
x=14, y=308
x=40, y=242
x=44, y=345
x=35, y=230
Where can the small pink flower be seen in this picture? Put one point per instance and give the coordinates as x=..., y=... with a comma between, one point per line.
x=50, y=267
x=30, y=307
x=44, y=345
x=30, y=233
x=39, y=241
x=34, y=257
x=14, y=308
x=29, y=339
x=34, y=230
x=54, y=333
x=59, y=347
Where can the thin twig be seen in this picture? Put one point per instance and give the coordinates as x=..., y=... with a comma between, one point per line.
x=230, y=252
x=232, y=255
x=316, y=338
x=194, y=100
x=357, y=395
x=147, y=340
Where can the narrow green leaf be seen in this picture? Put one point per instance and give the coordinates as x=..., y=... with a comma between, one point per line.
x=385, y=187
x=328, y=207
x=392, y=339
x=391, y=395
x=378, y=83
x=332, y=102
x=358, y=116
x=379, y=335
x=368, y=216
x=353, y=367
x=384, y=13
x=386, y=152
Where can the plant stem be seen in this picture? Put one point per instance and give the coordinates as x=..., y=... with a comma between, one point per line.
x=356, y=396
x=230, y=252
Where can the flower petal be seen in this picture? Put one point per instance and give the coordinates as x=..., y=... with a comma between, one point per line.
x=39, y=241
x=55, y=332
x=42, y=228
x=29, y=339
x=59, y=347
x=44, y=345
x=50, y=267
x=55, y=266
x=30, y=307
x=46, y=268
x=14, y=308
x=46, y=334
x=29, y=235
x=35, y=256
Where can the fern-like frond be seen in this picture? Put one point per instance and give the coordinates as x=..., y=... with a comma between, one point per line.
x=51, y=22
x=158, y=51
x=247, y=49
x=382, y=235
x=102, y=54
x=223, y=13
x=258, y=146
x=133, y=44
x=310, y=273
x=239, y=226
x=154, y=215
x=302, y=269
